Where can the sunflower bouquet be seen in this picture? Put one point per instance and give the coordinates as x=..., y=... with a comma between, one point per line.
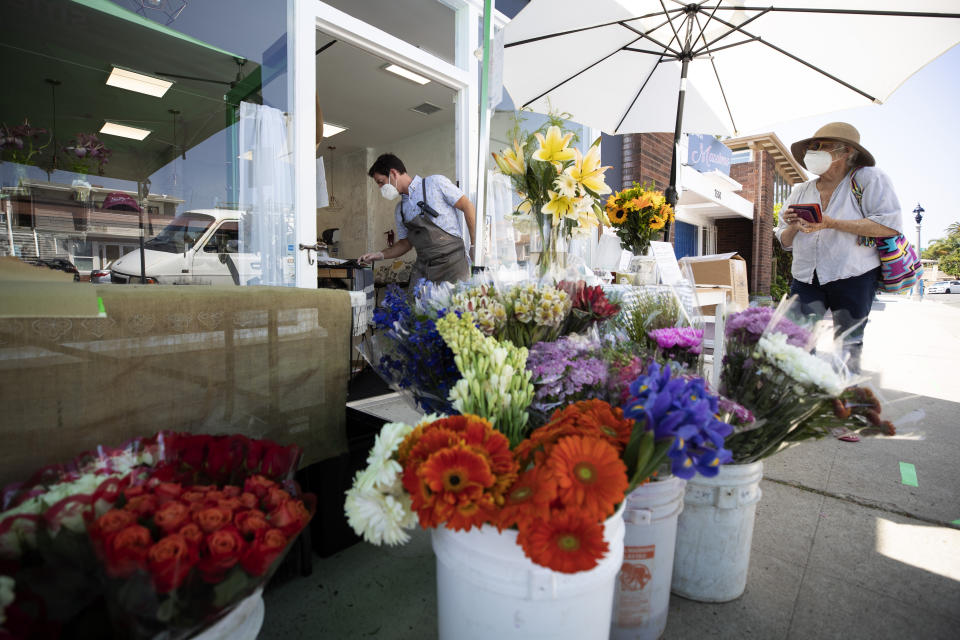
x=637, y=214
x=560, y=187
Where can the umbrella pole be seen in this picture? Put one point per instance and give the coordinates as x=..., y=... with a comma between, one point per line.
x=671, y=192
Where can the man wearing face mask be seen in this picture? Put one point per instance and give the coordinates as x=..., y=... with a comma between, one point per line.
x=427, y=219
x=832, y=268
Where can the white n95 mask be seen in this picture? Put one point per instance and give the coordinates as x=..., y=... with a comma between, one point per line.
x=818, y=162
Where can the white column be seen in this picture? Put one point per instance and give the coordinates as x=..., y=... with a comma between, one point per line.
x=301, y=37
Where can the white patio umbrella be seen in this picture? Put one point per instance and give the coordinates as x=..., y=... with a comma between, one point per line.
x=717, y=66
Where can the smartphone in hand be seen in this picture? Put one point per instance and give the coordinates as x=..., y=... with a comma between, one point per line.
x=809, y=212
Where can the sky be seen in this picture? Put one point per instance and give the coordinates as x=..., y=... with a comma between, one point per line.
x=915, y=138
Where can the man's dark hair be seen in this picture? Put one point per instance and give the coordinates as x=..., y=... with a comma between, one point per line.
x=386, y=162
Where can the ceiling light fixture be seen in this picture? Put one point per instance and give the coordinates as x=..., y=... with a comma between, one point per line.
x=405, y=73
x=114, y=129
x=330, y=129
x=139, y=82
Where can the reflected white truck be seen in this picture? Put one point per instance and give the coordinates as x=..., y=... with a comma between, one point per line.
x=197, y=247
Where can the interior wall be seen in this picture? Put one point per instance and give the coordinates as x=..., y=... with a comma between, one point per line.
x=346, y=177
x=428, y=153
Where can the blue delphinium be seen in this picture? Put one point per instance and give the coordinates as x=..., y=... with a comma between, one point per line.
x=409, y=353
x=682, y=412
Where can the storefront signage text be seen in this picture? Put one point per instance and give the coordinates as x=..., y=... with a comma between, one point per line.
x=706, y=153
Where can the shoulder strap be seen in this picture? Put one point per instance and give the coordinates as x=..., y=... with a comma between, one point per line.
x=857, y=189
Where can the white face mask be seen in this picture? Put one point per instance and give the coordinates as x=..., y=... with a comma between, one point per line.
x=388, y=191
x=818, y=162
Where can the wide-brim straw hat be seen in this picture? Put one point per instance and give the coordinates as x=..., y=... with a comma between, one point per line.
x=838, y=132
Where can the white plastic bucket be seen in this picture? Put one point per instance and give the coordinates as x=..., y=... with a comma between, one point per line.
x=715, y=532
x=243, y=623
x=487, y=588
x=642, y=598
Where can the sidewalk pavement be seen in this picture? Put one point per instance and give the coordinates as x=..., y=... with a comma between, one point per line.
x=842, y=548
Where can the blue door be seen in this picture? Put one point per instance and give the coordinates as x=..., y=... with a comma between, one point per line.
x=684, y=239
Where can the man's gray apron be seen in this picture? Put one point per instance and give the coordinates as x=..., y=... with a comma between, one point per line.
x=440, y=255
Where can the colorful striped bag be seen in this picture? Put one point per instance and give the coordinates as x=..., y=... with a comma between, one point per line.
x=900, y=265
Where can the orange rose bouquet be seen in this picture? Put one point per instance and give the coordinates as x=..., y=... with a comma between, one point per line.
x=556, y=487
x=176, y=558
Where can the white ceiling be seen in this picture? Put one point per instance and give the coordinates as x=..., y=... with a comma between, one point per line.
x=357, y=93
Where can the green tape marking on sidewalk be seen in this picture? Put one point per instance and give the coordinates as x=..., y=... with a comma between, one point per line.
x=908, y=474
x=101, y=308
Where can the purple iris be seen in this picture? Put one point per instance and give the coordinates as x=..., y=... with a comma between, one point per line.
x=681, y=409
x=748, y=325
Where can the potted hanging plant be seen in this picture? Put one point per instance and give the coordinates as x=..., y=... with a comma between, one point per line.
x=559, y=187
x=21, y=145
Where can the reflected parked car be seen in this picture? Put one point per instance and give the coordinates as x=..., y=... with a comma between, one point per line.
x=945, y=286
x=100, y=276
x=59, y=264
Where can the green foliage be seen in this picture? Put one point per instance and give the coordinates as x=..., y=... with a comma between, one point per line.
x=782, y=263
x=946, y=250
x=649, y=311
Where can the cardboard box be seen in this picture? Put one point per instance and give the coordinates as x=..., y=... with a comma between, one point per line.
x=709, y=296
x=722, y=268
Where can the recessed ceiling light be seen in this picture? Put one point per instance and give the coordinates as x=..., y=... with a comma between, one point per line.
x=114, y=129
x=141, y=83
x=330, y=129
x=405, y=73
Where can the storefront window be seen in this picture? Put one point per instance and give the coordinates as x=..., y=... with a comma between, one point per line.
x=117, y=115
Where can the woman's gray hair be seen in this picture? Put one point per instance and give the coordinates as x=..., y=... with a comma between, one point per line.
x=853, y=160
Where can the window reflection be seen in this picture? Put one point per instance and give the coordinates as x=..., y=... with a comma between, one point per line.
x=62, y=172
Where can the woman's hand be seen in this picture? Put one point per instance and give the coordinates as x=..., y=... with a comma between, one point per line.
x=791, y=218
x=809, y=227
x=370, y=258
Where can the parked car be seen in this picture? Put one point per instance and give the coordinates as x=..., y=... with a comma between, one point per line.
x=945, y=286
x=59, y=264
x=101, y=276
x=197, y=247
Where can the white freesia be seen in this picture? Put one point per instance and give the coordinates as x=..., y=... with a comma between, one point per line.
x=6, y=596
x=799, y=364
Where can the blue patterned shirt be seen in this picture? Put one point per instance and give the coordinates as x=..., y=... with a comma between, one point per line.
x=442, y=195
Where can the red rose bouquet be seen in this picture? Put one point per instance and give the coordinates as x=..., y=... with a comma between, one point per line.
x=177, y=557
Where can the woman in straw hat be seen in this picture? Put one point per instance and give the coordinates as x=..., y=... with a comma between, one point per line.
x=831, y=269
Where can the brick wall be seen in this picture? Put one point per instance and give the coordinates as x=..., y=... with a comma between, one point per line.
x=646, y=159
x=757, y=180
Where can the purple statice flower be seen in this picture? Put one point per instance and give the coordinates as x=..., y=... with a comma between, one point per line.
x=565, y=371
x=686, y=338
x=682, y=411
x=748, y=325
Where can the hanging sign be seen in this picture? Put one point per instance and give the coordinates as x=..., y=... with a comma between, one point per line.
x=706, y=154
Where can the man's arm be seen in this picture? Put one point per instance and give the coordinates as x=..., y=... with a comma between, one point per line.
x=470, y=215
x=398, y=249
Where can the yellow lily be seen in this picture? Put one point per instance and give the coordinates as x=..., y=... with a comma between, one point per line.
x=559, y=207
x=586, y=216
x=587, y=171
x=513, y=159
x=553, y=148
x=566, y=184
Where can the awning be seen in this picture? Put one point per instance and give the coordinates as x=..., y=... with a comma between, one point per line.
x=78, y=42
x=711, y=195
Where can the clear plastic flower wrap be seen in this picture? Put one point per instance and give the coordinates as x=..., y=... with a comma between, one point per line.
x=770, y=367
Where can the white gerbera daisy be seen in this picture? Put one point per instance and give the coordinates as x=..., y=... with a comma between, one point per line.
x=378, y=518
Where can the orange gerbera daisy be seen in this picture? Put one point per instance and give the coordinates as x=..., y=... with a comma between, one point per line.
x=456, y=474
x=566, y=542
x=590, y=475
x=432, y=439
x=607, y=418
x=528, y=499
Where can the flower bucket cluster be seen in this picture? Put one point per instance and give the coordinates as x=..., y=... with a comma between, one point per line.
x=560, y=187
x=173, y=529
x=637, y=215
x=556, y=487
x=409, y=352
x=22, y=143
